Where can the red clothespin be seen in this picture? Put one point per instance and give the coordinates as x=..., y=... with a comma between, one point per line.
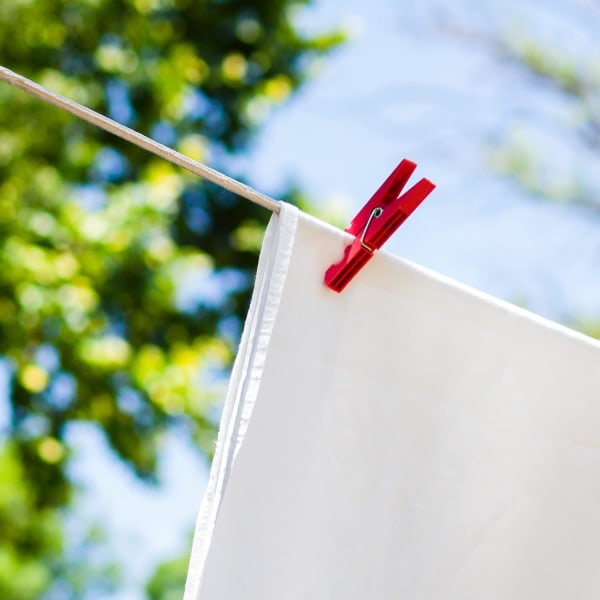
x=376, y=222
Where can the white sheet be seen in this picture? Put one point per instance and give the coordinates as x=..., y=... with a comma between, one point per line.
x=409, y=438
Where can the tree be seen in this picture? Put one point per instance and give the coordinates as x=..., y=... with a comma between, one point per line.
x=548, y=142
x=99, y=241
x=565, y=80
x=168, y=580
x=553, y=49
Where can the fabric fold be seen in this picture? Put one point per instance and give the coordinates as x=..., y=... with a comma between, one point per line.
x=245, y=378
x=408, y=438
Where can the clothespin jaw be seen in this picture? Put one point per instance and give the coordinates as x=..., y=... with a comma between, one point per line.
x=376, y=221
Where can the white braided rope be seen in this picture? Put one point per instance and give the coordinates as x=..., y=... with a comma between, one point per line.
x=130, y=135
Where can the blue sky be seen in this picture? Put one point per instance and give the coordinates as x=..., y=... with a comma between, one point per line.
x=400, y=88
x=404, y=88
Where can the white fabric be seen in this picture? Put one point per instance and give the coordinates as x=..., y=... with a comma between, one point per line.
x=409, y=439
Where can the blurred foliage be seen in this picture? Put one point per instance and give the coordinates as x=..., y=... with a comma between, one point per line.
x=35, y=561
x=31, y=537
x=548, y=143
x=168, y=580
x=571, y=85
x=123, y=281
x=557, y=60
x=565, y=171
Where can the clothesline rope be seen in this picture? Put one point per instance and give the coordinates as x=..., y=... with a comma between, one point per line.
x=132, y=136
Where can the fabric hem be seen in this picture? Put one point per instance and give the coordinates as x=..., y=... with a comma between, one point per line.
x=245, y=379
